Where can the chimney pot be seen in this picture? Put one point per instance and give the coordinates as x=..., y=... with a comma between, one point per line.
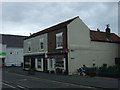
x=107, y=31
x=98, y=29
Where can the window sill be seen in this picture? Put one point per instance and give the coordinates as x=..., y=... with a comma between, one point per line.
x=41, y=49
x=59, y=48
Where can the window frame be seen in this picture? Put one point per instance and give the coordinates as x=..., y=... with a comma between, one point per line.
x=41, y=40
x=59, y=35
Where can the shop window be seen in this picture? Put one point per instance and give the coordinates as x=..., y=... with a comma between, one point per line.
x=59, y=62
x=39, y=63
x=27, y=63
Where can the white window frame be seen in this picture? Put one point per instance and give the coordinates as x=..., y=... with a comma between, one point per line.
x=57, y=35
x=41, y=40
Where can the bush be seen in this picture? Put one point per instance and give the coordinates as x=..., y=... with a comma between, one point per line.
x=111, y=71
x=91, y=71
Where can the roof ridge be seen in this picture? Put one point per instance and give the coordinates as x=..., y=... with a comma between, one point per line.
x=13, y=35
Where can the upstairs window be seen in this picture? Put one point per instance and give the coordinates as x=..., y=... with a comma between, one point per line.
x=41, y=43
x=29, y=46
x=59, y=40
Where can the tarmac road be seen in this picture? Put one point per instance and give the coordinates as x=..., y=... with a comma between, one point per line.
x=19, y=77
x=17, y=81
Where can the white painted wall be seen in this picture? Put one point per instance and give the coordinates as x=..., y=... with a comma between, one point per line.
x=78, y=34
x=101, y=52
x=15, y=58
x=35, y=44
x=78, y=37
x=85, y=51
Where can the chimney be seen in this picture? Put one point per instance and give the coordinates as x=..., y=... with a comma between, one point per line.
x=30, y=34
x=107, y=31
x=98, y=29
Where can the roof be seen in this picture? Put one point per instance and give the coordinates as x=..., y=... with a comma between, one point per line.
x=94, y=35
x=55, y=27
x=101, y=36
x=12, y=40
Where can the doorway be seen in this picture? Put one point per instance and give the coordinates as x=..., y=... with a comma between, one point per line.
x=33, y=63
x=3, y=61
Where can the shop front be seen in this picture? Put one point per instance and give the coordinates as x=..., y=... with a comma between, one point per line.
x=35, y=61
x=2, y=58
x=57, y=63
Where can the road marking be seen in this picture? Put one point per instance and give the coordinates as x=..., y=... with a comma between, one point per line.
x=67, y=83
x=5, y=81
x=10, y=86
x=22, y=87
x=23, y=80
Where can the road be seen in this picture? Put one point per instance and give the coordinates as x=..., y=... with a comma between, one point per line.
x=18, y=82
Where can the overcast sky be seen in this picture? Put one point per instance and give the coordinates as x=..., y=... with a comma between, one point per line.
x=20, y=18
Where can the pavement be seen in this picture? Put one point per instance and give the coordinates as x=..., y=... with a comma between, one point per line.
x=97, y=82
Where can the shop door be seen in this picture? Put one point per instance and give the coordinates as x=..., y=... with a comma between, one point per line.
x=45, y=65
x=32, y=62
x=3, y=61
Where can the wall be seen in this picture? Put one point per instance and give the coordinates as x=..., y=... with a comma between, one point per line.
x=35, y=44
x=52, y=39
x=99, y=52
x=14, y=56
x=78, y=37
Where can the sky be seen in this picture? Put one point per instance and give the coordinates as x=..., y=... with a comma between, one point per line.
x=23, y=18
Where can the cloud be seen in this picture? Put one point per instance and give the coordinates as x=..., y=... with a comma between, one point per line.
x=31, y=17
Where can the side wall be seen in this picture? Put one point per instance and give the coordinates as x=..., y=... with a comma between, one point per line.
x=78, y=37
x=14, y=56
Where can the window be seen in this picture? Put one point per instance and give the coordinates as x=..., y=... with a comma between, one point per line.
x=27, y=62
x=59, y=41
x=29, y=46
x=39, y=63
x=41, y=44
x=59, y=62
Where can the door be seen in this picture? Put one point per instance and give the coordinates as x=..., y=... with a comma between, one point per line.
x=3, y=61
x=45, y=65
x=32, y=62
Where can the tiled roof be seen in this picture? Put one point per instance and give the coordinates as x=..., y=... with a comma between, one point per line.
x=55, y=27
x=12, y=40
x=101, y=36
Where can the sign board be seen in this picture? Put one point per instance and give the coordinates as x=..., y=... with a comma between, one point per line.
x=2, y=53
